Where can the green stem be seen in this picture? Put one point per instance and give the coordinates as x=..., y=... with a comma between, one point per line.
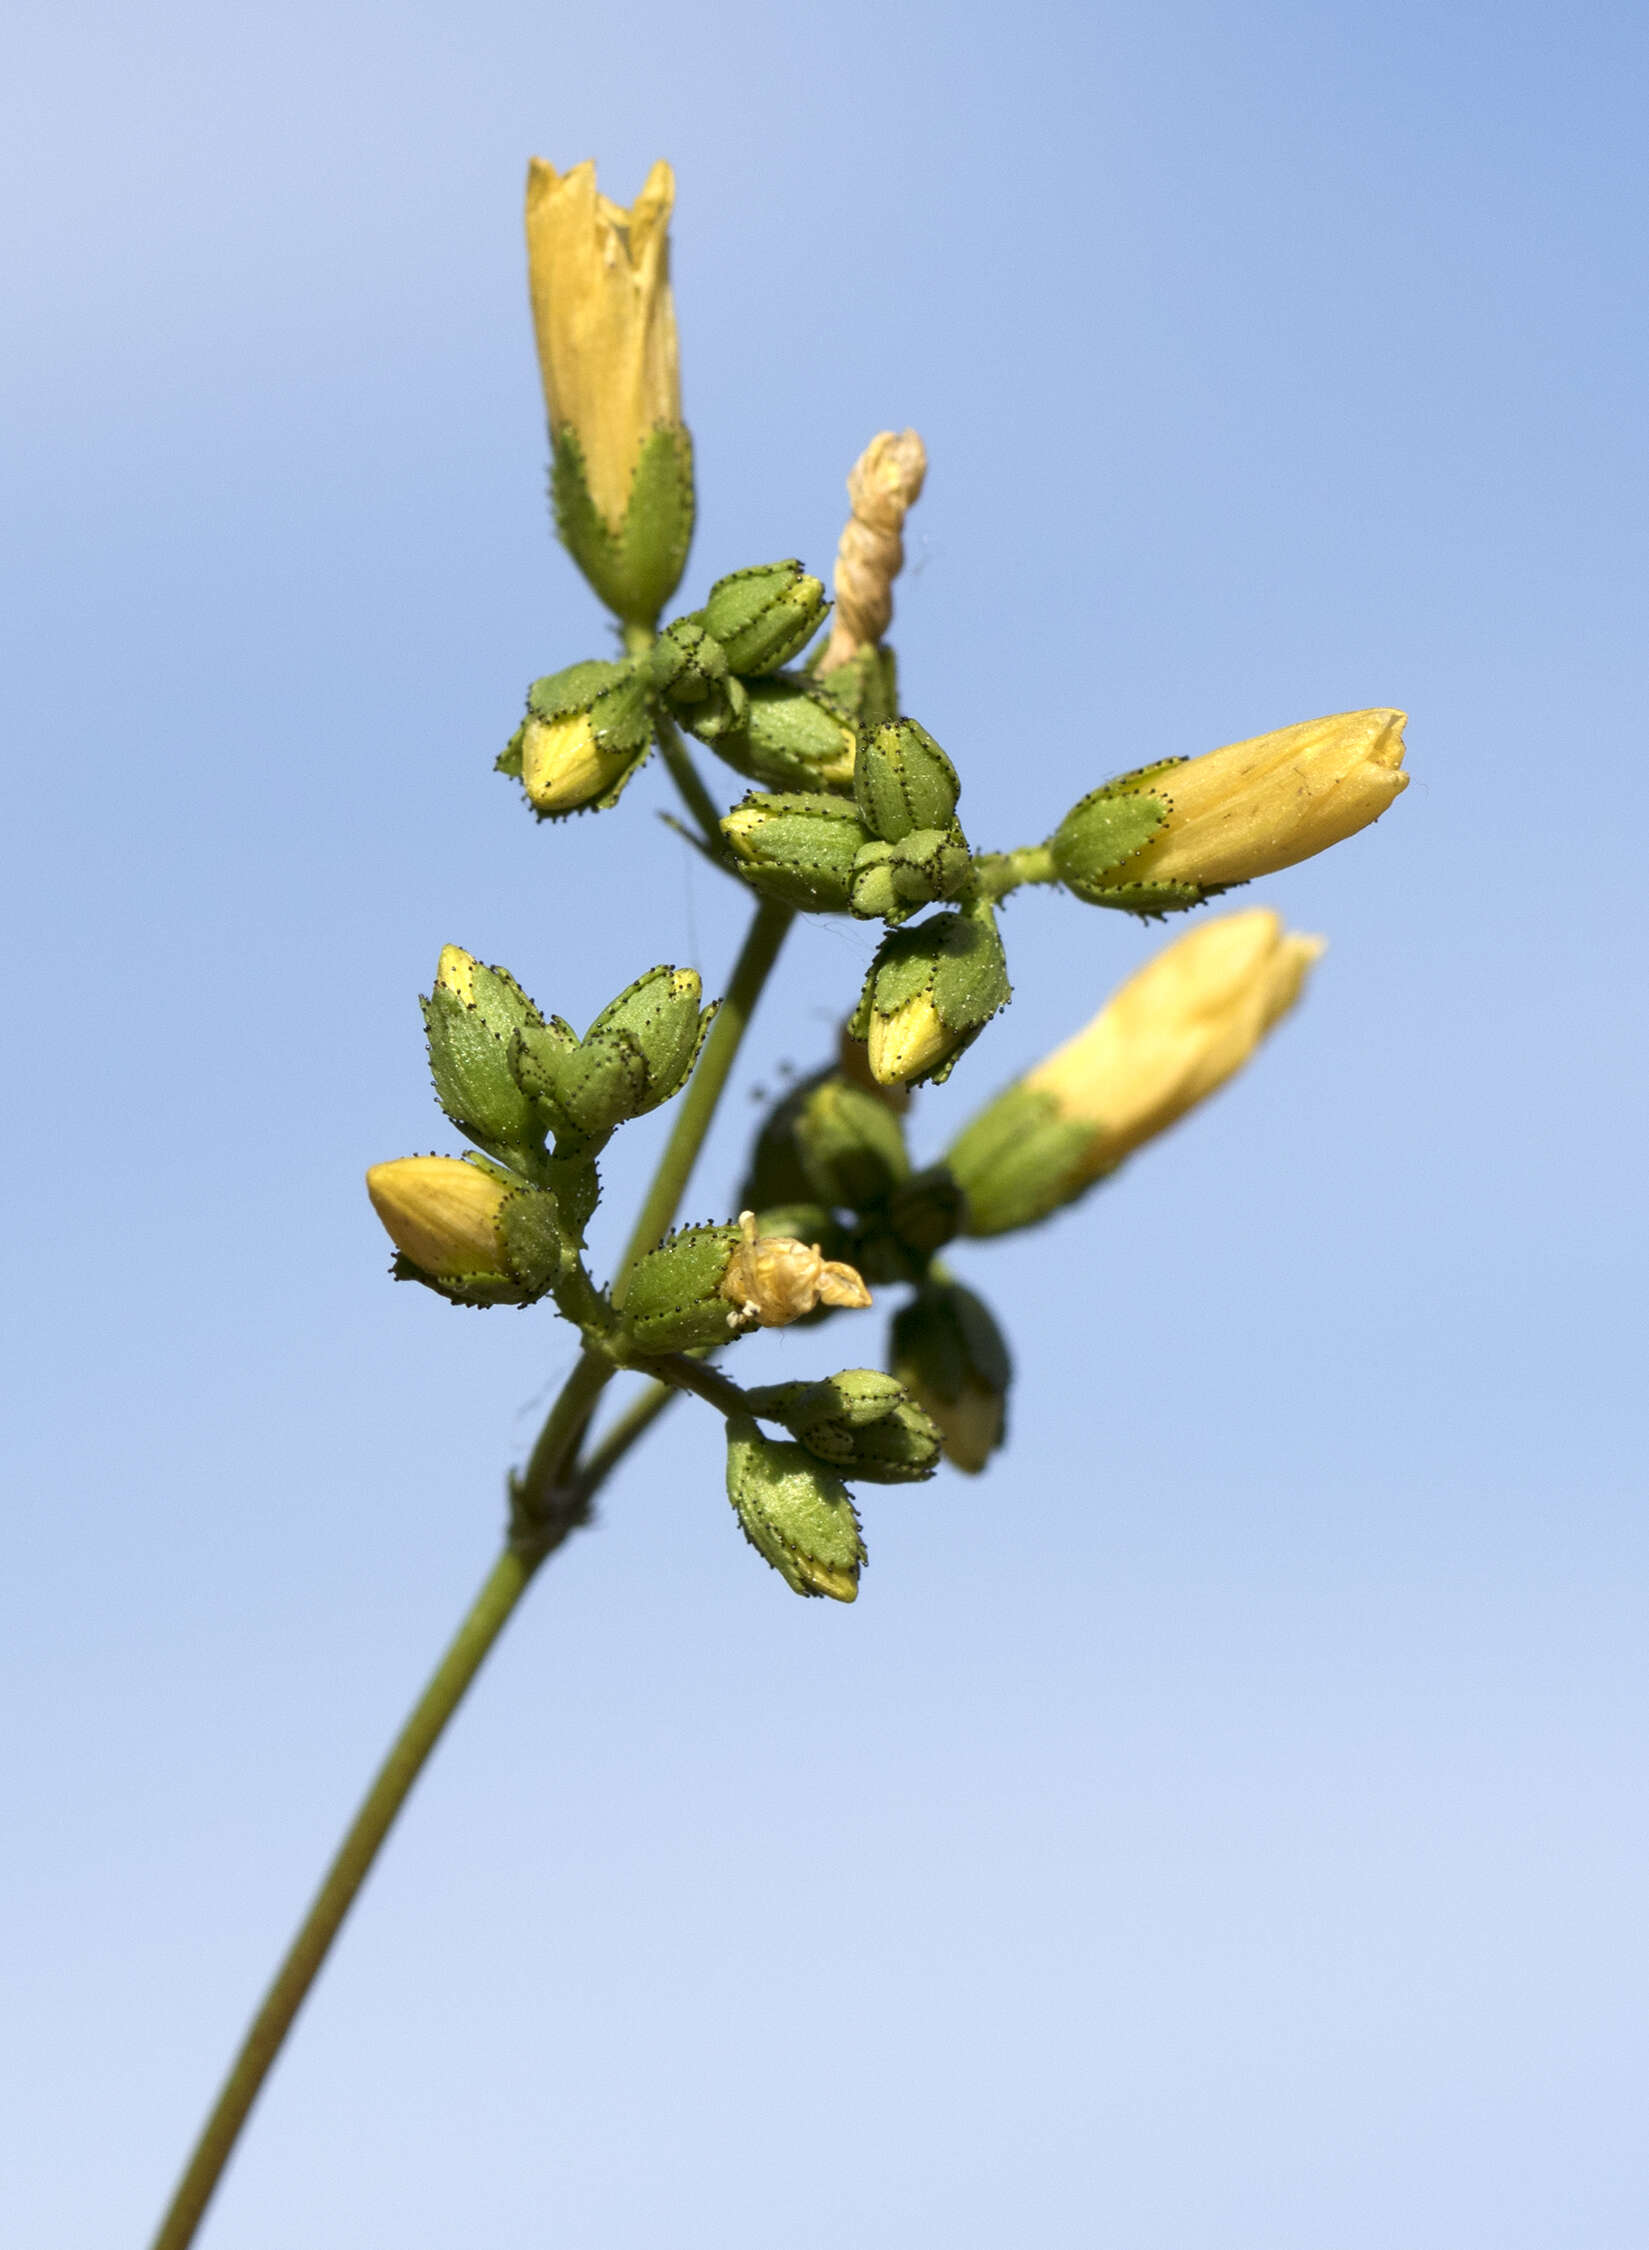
x=698, y=1105
x=997, y=873
x=694, y=795
x=685, y=1374
x=547, y=1504
x=508, y=1581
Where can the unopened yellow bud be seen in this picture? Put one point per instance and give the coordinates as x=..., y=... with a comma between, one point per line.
x=563, y=766
x=1174, y=1033
x=455, y=973
x=441, y=1212
x=605, y=319
x=908, y=1042
x=1263, y=804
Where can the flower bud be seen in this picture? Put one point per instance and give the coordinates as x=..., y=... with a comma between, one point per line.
x=772, y=1279
x=606, y=328
x=863, y=1422
x=791, y=736
x=467, y=1230
x=636, y=1054
x=689, y=665
x=763, y=616
x=470, y=1018
x=1246, y=810
x=930, y=992
x=1173, y=1034
x=674, y=1301
x=903, y=781
x=797, y=848
x=950, y=1355
x=892, y=880
x=794, y=1513
x=586, y=731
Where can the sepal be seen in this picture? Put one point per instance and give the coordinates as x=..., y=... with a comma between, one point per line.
x=794, y=1512
x=674, y=1302
x=862, y=1421
x=892, y=881
x=792, y=736
x=1015, y=1161
x=903, y=781
x=1103, y=831
x=799, y=848
x=470, y=1017
x=636, y=568
x=764, y=615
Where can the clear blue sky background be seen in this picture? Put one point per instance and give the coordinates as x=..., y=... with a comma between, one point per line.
x=1224, y=1824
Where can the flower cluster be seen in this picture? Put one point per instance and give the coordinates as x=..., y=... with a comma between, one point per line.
x=848, y=806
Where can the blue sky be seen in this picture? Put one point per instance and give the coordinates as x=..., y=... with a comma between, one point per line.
x=1221, y=1825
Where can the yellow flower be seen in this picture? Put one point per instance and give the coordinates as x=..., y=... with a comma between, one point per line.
x=562, y=764
x=605, y=319
x=1174, y=1033
x=441, y=1212
x=1256, y=806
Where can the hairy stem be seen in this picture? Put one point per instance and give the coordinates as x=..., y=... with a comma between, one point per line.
x=997, y=873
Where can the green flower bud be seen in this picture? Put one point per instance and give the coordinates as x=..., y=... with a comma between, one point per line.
x=893, y=880
x=586, y=731
x=794, y=1513
x=930, y=992
x=950, y=1355
x=467, y=1230
x=797, y=848
x=851, y=1146
x=903, y=781
x=792, y=736
x=863, y=1422
x=688, y=665
x=926, y=1212
x=470, y=1018
x=636, y=1054
x=674, y=1302
x=764, y=615
x=866, y=686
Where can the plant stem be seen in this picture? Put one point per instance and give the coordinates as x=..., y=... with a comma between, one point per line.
x=547, y=1504
x=506, y=1583
x=698, y=1105
x=997, y=873
x=695, y=796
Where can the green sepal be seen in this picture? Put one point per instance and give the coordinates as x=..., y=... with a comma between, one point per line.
x=637, y=566
x=763, y=615
x=1019, y=1160
x=469, y=1051
x=616, y=696
x=792, y=736
x=674, y=1302
x=796, y=847
x=862, y=1421
x=947, y=1350
x=893, y=880
x=903, y=781
x=508, y=759
x=925, y=1212
x=1101, y=833
x=851, y=1146
x=660, y=1012
x=576, y=1185
x=794, y=1512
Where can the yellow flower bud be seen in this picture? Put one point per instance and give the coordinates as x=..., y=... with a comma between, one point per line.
x=605, y=319
x=563, y=766
x=907, y=1042
x=1256, y=806
x=455, y=973
x=441, y=1212
x=1174, y=1033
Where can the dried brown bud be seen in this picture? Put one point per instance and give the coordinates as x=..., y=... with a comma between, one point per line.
x=886, y=482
